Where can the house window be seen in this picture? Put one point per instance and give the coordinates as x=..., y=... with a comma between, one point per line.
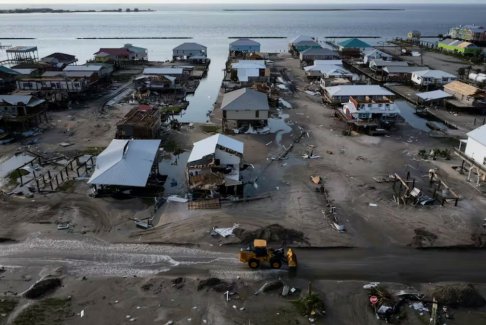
x=257, y=114
x=484, y=161
x=224, y=114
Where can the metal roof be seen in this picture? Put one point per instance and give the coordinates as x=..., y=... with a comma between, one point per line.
x=8, y=70
x=370, y=51
x=354, y=43
x=244, y=42
x=24, y=71
x=85, y=67
x=479, y=134
x=125, y=163
x=301, y=38
x=162, y=71
x=190, y=46
x=22, y=49
x=29, y=101
x=381, y=63
x=404, y=69
x=249, y=64
x=462, y=88
x=433, y=95
x=245, y=99
x=207, y=146
x=437, y=74
x=319, y=51
x=358, y=90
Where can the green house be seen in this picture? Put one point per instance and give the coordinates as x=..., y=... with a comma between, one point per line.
x=353, y=43
x=459, y=47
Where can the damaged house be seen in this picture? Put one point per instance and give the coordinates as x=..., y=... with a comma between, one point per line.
x=18, y=113
x=126, y=164
x=142, y=122
x=245, y=107
x=213, y=167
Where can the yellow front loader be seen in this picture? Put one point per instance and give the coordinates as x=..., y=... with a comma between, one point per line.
x=258, y=253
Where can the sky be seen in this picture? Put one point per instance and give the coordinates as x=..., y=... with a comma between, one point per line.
x=66, y=2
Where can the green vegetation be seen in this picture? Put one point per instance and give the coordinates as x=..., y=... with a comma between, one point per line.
x=7, y=305
x=210, y=128
x=51, y=311
x=435, y=153
x=93, y=151
x=310, y=305
x=67, y=186
x=173, y=147
x=173, y=109
x=13, y=176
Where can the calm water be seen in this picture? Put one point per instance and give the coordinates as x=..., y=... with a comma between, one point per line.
x=211, y=26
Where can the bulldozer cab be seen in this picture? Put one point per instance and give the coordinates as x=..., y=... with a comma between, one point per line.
x=260, y=247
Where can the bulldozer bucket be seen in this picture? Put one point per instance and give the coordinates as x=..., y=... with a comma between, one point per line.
x=291, y=259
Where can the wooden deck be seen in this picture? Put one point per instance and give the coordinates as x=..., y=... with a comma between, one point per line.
x=204, y=204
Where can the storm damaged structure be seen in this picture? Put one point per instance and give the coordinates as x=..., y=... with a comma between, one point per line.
x=142, y=122
x=213, y=168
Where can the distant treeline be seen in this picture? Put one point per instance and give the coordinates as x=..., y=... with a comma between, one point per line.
x=50, y=10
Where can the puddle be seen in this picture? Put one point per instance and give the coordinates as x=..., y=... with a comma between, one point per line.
x=175, y=168
x=407, y=111
x=279, y=126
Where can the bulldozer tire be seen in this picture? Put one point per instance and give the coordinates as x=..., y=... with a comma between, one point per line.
x=275, y=264
x=253, y=263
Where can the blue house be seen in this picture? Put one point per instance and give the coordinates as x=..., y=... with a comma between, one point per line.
x=305, y=45
x=244, y=45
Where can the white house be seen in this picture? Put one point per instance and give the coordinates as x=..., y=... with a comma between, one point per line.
x=373, y=54
x=432, y=77
x=188, y=50
x=214, y=165
x=328, y=71
x=247, y=69
x=342, y=94
x=476, y=145
x=370, y=110
x=314, y=71
x=244, y=107
x=126, y=163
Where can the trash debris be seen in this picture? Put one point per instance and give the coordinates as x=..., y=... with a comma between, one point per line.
x=285, y=290
x=272, y=233
x=316, y=179
x=373, y=205
x=178, y=283
x=63, y=226
x=65, y=144
x=371, y=285
x=224, y=232
x=178, y=199
x=419, y=306
x=270, y=286
x=81, y=314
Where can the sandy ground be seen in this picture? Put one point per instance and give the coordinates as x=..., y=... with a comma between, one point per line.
x=346, y=165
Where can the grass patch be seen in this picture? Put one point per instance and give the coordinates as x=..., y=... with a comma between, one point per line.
x=67, y=186
x=13, y=176
x=93, y=151
x=310, y=305
x=51, y=311
x=173, y=109
x=7, y=305
x=210, y=128
x=173, y=147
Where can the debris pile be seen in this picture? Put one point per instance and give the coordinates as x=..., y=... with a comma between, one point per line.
x=423, y=238
x=216, y=284
x=42, y=288
x=271, y=233
x=311, y=306
x=458, y=295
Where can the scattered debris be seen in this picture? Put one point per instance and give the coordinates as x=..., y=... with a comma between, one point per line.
x=270, y=286
x=423, y=238
x=224, y=232
x=373, y=205
x=216, y=284
x=316, y=179
x=178, y=199
x=458, y=295
x=371, y=285
x=178, y=283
